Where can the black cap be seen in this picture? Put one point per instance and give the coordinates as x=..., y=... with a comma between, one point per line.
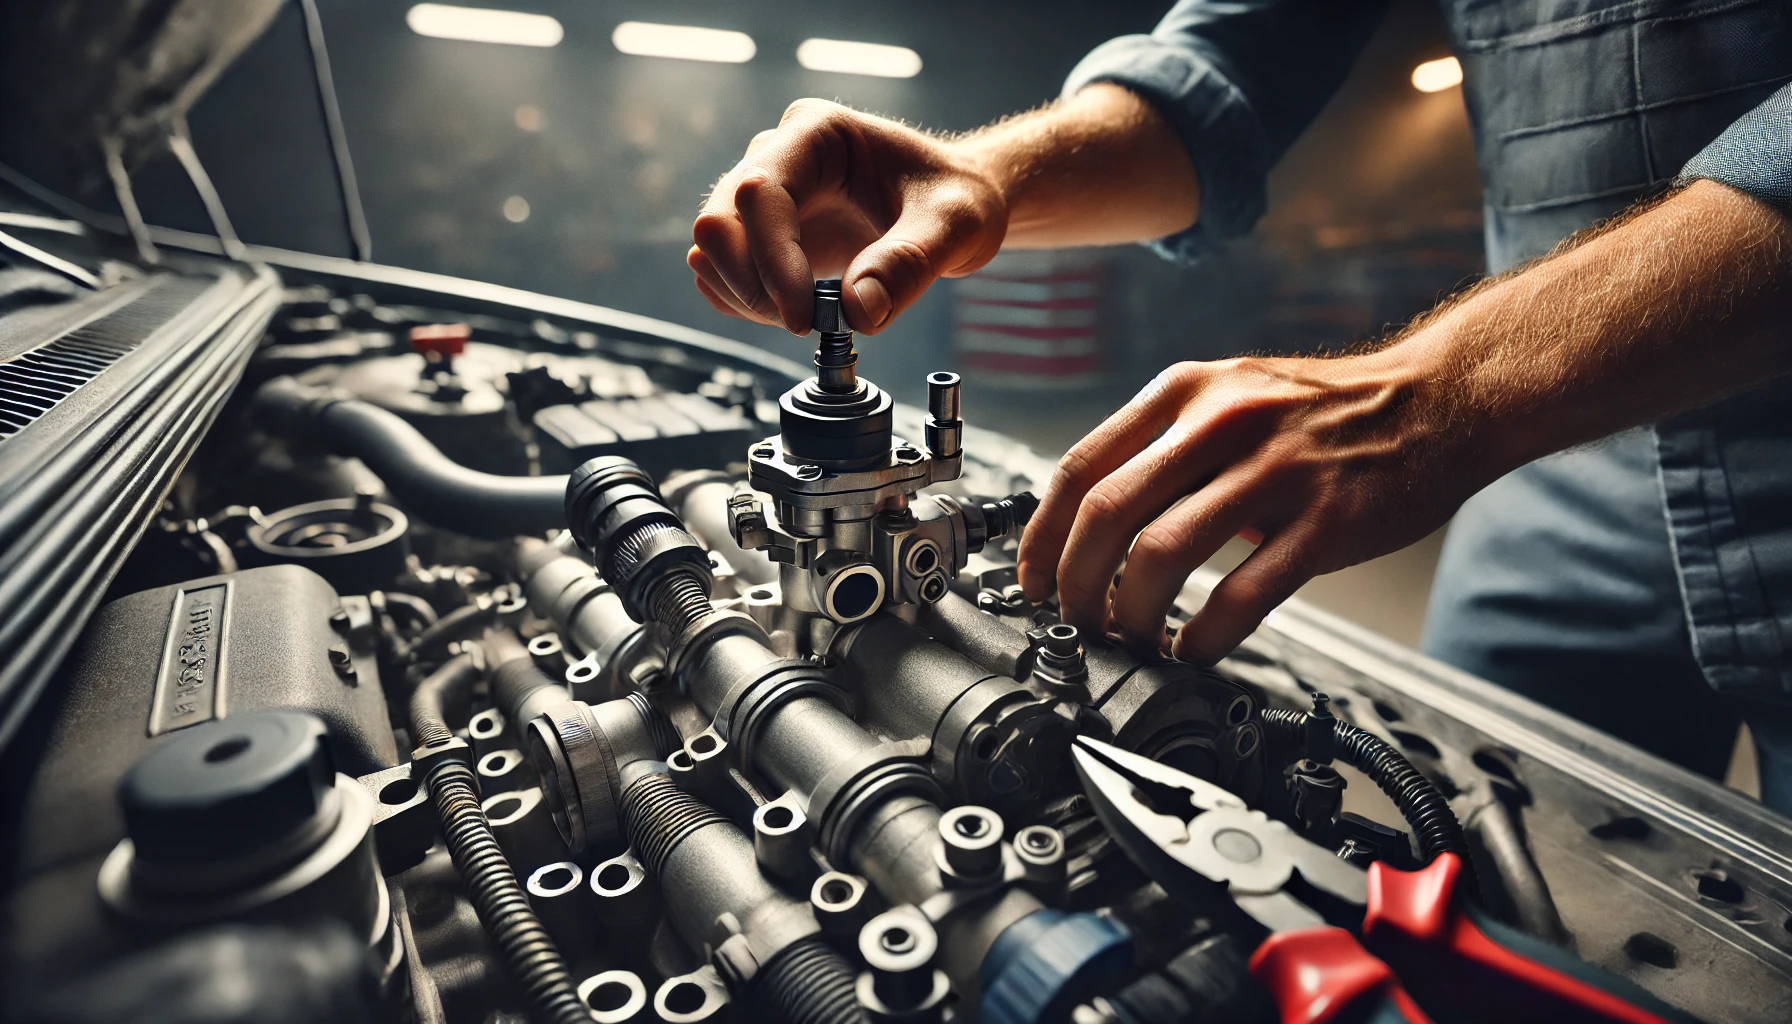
x=228, y=789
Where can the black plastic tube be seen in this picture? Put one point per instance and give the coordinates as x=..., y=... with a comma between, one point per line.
x=462, y=623
x=429, y=484
x=519, y=688
x=430, y=700
x=1421, y=803
x=525, y=947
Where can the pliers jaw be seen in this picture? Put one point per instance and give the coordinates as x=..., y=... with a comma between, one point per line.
x=1198, y=840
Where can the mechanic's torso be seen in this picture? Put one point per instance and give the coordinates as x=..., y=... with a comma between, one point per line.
x=1580, y=107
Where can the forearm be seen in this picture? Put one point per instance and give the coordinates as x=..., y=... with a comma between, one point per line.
x=1099, y=168
x=1675, y=306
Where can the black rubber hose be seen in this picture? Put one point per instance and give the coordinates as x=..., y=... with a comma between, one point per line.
x=807, y=982
x=1426, y=811
x=525, y=947
x=430, y=700
x=462, y=623
x=1496, y=829
x=417, y=608
x=520, y=688
x=426, y=482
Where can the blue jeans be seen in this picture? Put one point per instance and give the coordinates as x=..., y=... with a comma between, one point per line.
x=1559, y=582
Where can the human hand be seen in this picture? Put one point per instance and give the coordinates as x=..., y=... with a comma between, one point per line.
x=1331, y=461
x=832, y=192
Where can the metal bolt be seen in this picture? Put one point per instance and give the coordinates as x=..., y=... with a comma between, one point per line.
x=808, y=472
x=341, y=661
x=1063, y=640
x=899, y=945
x=1040, y=849
x=840, y=903
x=971, y=842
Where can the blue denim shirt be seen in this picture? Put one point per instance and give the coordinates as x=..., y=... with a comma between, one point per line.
x=1579, y=107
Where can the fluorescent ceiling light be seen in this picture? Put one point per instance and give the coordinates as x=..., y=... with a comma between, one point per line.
x=683, y=42
x=850, y=58
x=1437, y=75
x=483, y=25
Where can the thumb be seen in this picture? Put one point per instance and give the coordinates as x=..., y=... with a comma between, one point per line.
x=938, y=233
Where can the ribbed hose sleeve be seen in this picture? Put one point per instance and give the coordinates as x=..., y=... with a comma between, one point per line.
x=1424, y=807
x=528, y=953
x=658, y=816
x=429, y=702
x=808, y=982
x=523, y=943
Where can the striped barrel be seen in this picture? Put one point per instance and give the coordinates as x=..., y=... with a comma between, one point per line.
x=1029, y=320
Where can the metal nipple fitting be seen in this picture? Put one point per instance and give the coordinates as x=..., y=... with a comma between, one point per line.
x=836, y=364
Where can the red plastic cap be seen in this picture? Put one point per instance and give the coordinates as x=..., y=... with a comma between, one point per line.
x=442, y=339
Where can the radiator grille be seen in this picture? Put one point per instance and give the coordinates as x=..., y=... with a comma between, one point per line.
x=32, y=383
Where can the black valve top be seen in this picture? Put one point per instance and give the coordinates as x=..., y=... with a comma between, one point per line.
x=231, y=789
x=834, y=419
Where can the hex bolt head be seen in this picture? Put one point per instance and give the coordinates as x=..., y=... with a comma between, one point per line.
x=841, y=903
x=898, y=946
x=971, y=842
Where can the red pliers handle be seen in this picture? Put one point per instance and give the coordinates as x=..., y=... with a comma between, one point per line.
x=1463, y=966
x=1325, y=976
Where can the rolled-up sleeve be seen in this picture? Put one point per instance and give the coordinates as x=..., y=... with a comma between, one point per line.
x=1754, y=154
x=1239, y=80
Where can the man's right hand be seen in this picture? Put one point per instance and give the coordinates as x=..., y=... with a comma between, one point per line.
x=832, y=192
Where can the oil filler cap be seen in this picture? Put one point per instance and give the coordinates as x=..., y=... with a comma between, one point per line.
x=226, y=790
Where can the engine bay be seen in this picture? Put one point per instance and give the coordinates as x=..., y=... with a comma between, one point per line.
x=485, y=657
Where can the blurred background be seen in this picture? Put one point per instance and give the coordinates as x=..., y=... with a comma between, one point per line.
x=564, y=148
